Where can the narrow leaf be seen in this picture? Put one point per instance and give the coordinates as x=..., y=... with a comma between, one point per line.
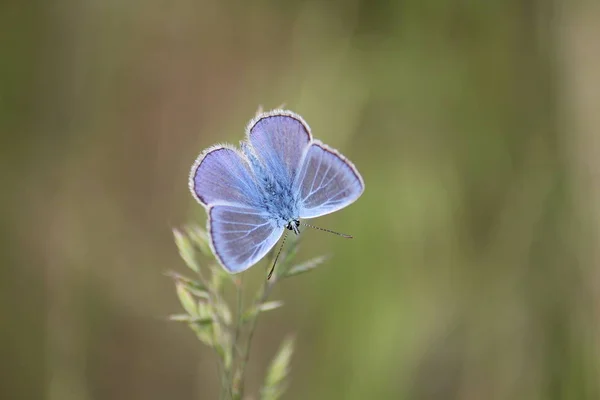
x=180, y=317
x=204, y=330
x=187, y=318
x=306, y=266
x=186, y=299
x=249, y=314
x=186, y=250
x=223, y=311
x=278, y=371
x=203, y=294
x=252, y=312
x=270, y=305
x=216, y=279
x=202, y=321
x=204, y=310
x=198, y=289
x=203, y=334
x=224, y=353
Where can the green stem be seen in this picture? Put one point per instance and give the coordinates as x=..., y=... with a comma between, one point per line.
x=215, y=299
x=221, y=369
x=265, y=291
x=236, y=334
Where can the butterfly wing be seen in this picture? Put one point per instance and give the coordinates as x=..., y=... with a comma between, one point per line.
x=221, y=175
x=327, y=182
x=240, y=237
x=241, y=233
x=279, y=140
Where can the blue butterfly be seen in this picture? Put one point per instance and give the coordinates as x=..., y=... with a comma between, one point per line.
x=280, y=175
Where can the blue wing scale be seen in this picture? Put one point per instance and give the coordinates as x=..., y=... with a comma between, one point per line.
x=278, y=141
x=327, y=182
x=222, y=175
x=240, y=237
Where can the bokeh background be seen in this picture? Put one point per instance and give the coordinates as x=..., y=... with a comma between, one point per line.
x=474, y=269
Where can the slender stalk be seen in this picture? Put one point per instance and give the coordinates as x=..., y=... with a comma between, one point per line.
x=215, y=300
x=264, y=294
x=239, y=313
x=222, y=375
x=266, y=289
x=220, y=362
x=223, y=391
x=236, y=334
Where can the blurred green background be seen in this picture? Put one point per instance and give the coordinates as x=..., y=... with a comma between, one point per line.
x=474, y=269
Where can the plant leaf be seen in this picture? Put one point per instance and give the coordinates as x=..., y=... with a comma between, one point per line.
x=223, y=311
x=216, y=279
x=248, y=315
x=180, y=317
x=270, y=305
x=196, y=288
x=188, y=318
x=203, y=333
x=305, y=266
x=202, y=321
x=186, y=299
x=186, y=250
x=278, y=371
x=224, y=353
x=252, y=312
x=178, y=277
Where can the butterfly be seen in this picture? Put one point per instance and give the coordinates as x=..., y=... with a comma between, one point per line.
x=279, y=176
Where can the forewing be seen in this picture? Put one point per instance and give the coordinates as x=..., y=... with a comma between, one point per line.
x=279, y=140
x=240, y=237
x=327, y=182
x=221, y=175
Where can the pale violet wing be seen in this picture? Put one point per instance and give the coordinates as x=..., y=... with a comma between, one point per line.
x=327, y=182
x=240, y=237
x=221, y=175
x=279, y=140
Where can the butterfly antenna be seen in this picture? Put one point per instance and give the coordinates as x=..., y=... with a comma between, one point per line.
x=327, y=230
x=277, y=256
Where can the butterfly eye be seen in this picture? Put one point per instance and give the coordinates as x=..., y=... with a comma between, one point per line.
x=293, y=226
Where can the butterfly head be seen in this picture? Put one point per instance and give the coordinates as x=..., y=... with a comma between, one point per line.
x=293, y=226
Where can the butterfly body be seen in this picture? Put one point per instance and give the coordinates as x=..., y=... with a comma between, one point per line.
x=278, y=198
x=279, y=175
